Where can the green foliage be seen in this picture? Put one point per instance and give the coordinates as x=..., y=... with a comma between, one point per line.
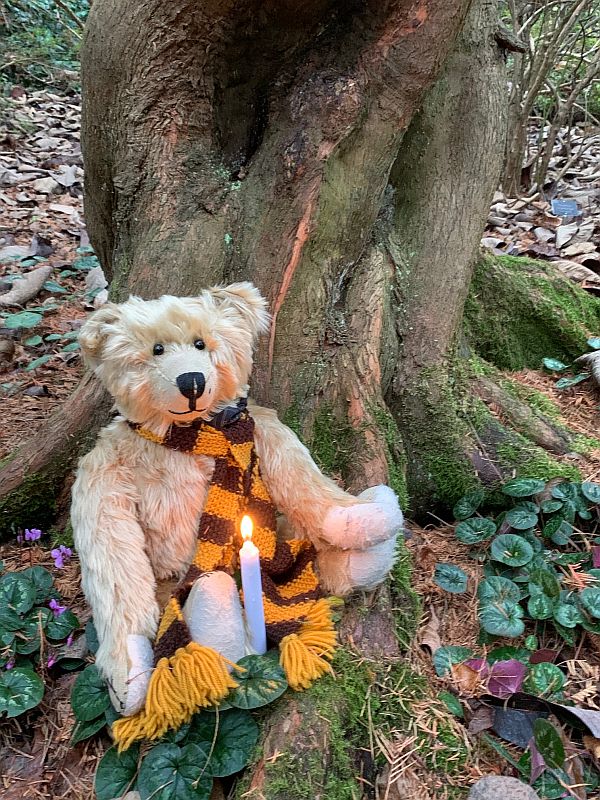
x=28, y=625
x=40, y=40
x=451, y=578
x=262, y=683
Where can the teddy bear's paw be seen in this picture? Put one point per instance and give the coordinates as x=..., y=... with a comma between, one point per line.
x=141, y=665
x=365, y=523
x=344, y=571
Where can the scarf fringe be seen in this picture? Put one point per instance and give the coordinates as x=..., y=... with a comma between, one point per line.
x=303, y=655
x=195, y=677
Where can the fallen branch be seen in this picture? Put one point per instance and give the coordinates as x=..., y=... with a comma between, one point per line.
x=26, y=288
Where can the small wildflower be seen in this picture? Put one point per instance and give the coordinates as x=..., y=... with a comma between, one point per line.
x=20, y=539
x=70, y=639
x=32, y=535
x=61, y=555
x=56, y=608
x=51, y=661
x=9, y=664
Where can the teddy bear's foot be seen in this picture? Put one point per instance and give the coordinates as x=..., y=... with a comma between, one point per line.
x=213, y=613
x=343, y=571
x=141, y=660
x=377, y=519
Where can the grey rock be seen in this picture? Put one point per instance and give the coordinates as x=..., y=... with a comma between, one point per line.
x=497, y=787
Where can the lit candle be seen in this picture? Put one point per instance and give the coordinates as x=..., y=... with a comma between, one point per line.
x=252, y=587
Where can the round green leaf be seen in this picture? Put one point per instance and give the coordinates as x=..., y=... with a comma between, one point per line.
x=590, y=600
x=544, y=680
x=551, y=785
x=534, y=540
x=559, y=530
x=568, y=615
x=232, y=744
x=521, y=519
x=548, y=506
x=540, y=606
x=568, y=634
x=512, y=550
x=451, y=578
x=549, y=743
x=498, y=590
x=546, y=581
x=24, y=319
x=444, y=657
x=469, y=504
x=116, y=773
x=16, y=592
x=89, y=697
x=591, y=491
x=502, y=619
x=553, y=364
x=33, y=341
x=83, y=730
x=60, y=627
x=170, y=772
x=475, y=530
x=20, y=690
x=42, y=582
x=523, y=487
x=263, y=682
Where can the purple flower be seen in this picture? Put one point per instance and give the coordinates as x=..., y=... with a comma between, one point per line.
x=61, y=555
x=20, y=539
x=32, y=535
x=56, y=608
x=9, y=664
x=70, y=640
x=51, y=661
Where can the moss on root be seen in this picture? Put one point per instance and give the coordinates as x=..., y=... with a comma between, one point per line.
x=394, y=452
x=332, y=442
x=33, y=504
x=520, y=311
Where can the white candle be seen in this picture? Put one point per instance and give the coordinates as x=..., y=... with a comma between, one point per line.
x=252, y=587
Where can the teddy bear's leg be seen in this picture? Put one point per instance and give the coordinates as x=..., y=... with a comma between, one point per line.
x=314, y=505
x=117, y=577
x=213, y=613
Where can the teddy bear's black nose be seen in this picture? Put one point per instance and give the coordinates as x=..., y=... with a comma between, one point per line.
x=191, y=385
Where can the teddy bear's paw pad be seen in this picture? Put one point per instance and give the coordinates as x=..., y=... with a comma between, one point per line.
x=364, y=524
x=368, y=568
x=141, y=660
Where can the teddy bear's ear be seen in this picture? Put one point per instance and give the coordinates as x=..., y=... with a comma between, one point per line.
x=247, y=301
x=95, y=331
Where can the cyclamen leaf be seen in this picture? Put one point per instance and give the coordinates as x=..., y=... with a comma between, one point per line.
x=512, y=550
x=549, y=743
x=544, y=679
x=590, y=600
x=84, y=730
x=568, y=615
x=540, y=606
x=116, y=773
x=24, y=319
x=42, y=582
x=521, y=519
x=170, y=772
x=17, y=593
x=544, y=580
x=475, y=530
x=548, y=506
x=20, y=690
x=468, y=504
x=553, y=364
x=89, y=697
x=502, y=619
x=452, y=703
x=232, y=743
x=506, y=678
x=566, y=383
x=263, y=682
x=444, y=657
x=497, y=589
x=591, y=490
x=451, y=578
x=523, y=487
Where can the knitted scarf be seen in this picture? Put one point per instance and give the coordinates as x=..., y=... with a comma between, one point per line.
x=188, y=676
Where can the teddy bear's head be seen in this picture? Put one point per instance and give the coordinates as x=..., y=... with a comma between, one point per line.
x=176, y=359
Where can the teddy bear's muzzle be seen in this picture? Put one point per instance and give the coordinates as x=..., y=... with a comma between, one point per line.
x=191, y=385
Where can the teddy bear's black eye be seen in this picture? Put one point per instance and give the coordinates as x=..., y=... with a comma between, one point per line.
x=199, y=344
x=158, y=349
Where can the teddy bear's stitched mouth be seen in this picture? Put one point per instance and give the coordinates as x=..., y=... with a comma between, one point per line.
x=191, y=411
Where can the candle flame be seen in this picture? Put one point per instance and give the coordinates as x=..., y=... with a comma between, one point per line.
x=246, y=527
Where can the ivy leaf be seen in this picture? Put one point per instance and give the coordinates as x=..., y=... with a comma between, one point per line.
x=475, y=530
x=468, y=504
x=590, y=600
x=521, y=519
x=116, y=773
x=498, y=590
x=451, y=578
x=591, y=490
x=544, y=680
x=16, y=592
x=523, y=487
x=60, y=627
x=540, y=606
x=230, y=746
x=42, y=582
x=262, y=683
x=568, y=615
x=549, y=743
x=512, y=550
x=84, y=730
x=24, y=319
x=170, y=772
x=444, y=657
x=20, y=690
x=502, y=619
x=566, y=383
x=89, y=697
x=554, y=365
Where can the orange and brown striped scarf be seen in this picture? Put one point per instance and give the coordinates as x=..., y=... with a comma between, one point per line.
x=188, y=676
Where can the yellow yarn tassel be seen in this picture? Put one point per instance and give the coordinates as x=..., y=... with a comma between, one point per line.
x=303, y=654
x=194, y=678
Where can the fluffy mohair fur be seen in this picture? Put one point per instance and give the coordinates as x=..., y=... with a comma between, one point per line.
x=136, y=505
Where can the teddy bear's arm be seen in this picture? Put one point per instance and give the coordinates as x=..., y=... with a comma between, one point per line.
x=313, y=504
x=117, y=577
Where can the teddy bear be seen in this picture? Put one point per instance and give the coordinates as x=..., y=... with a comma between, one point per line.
x=170, y=364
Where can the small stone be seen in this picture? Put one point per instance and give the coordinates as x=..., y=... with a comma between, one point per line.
x=45, y=186
x=498, y=787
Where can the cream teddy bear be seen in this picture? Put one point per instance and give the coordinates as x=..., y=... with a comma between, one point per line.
x=136, y=505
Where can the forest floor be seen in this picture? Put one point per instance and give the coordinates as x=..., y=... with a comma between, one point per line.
x=42, y=224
